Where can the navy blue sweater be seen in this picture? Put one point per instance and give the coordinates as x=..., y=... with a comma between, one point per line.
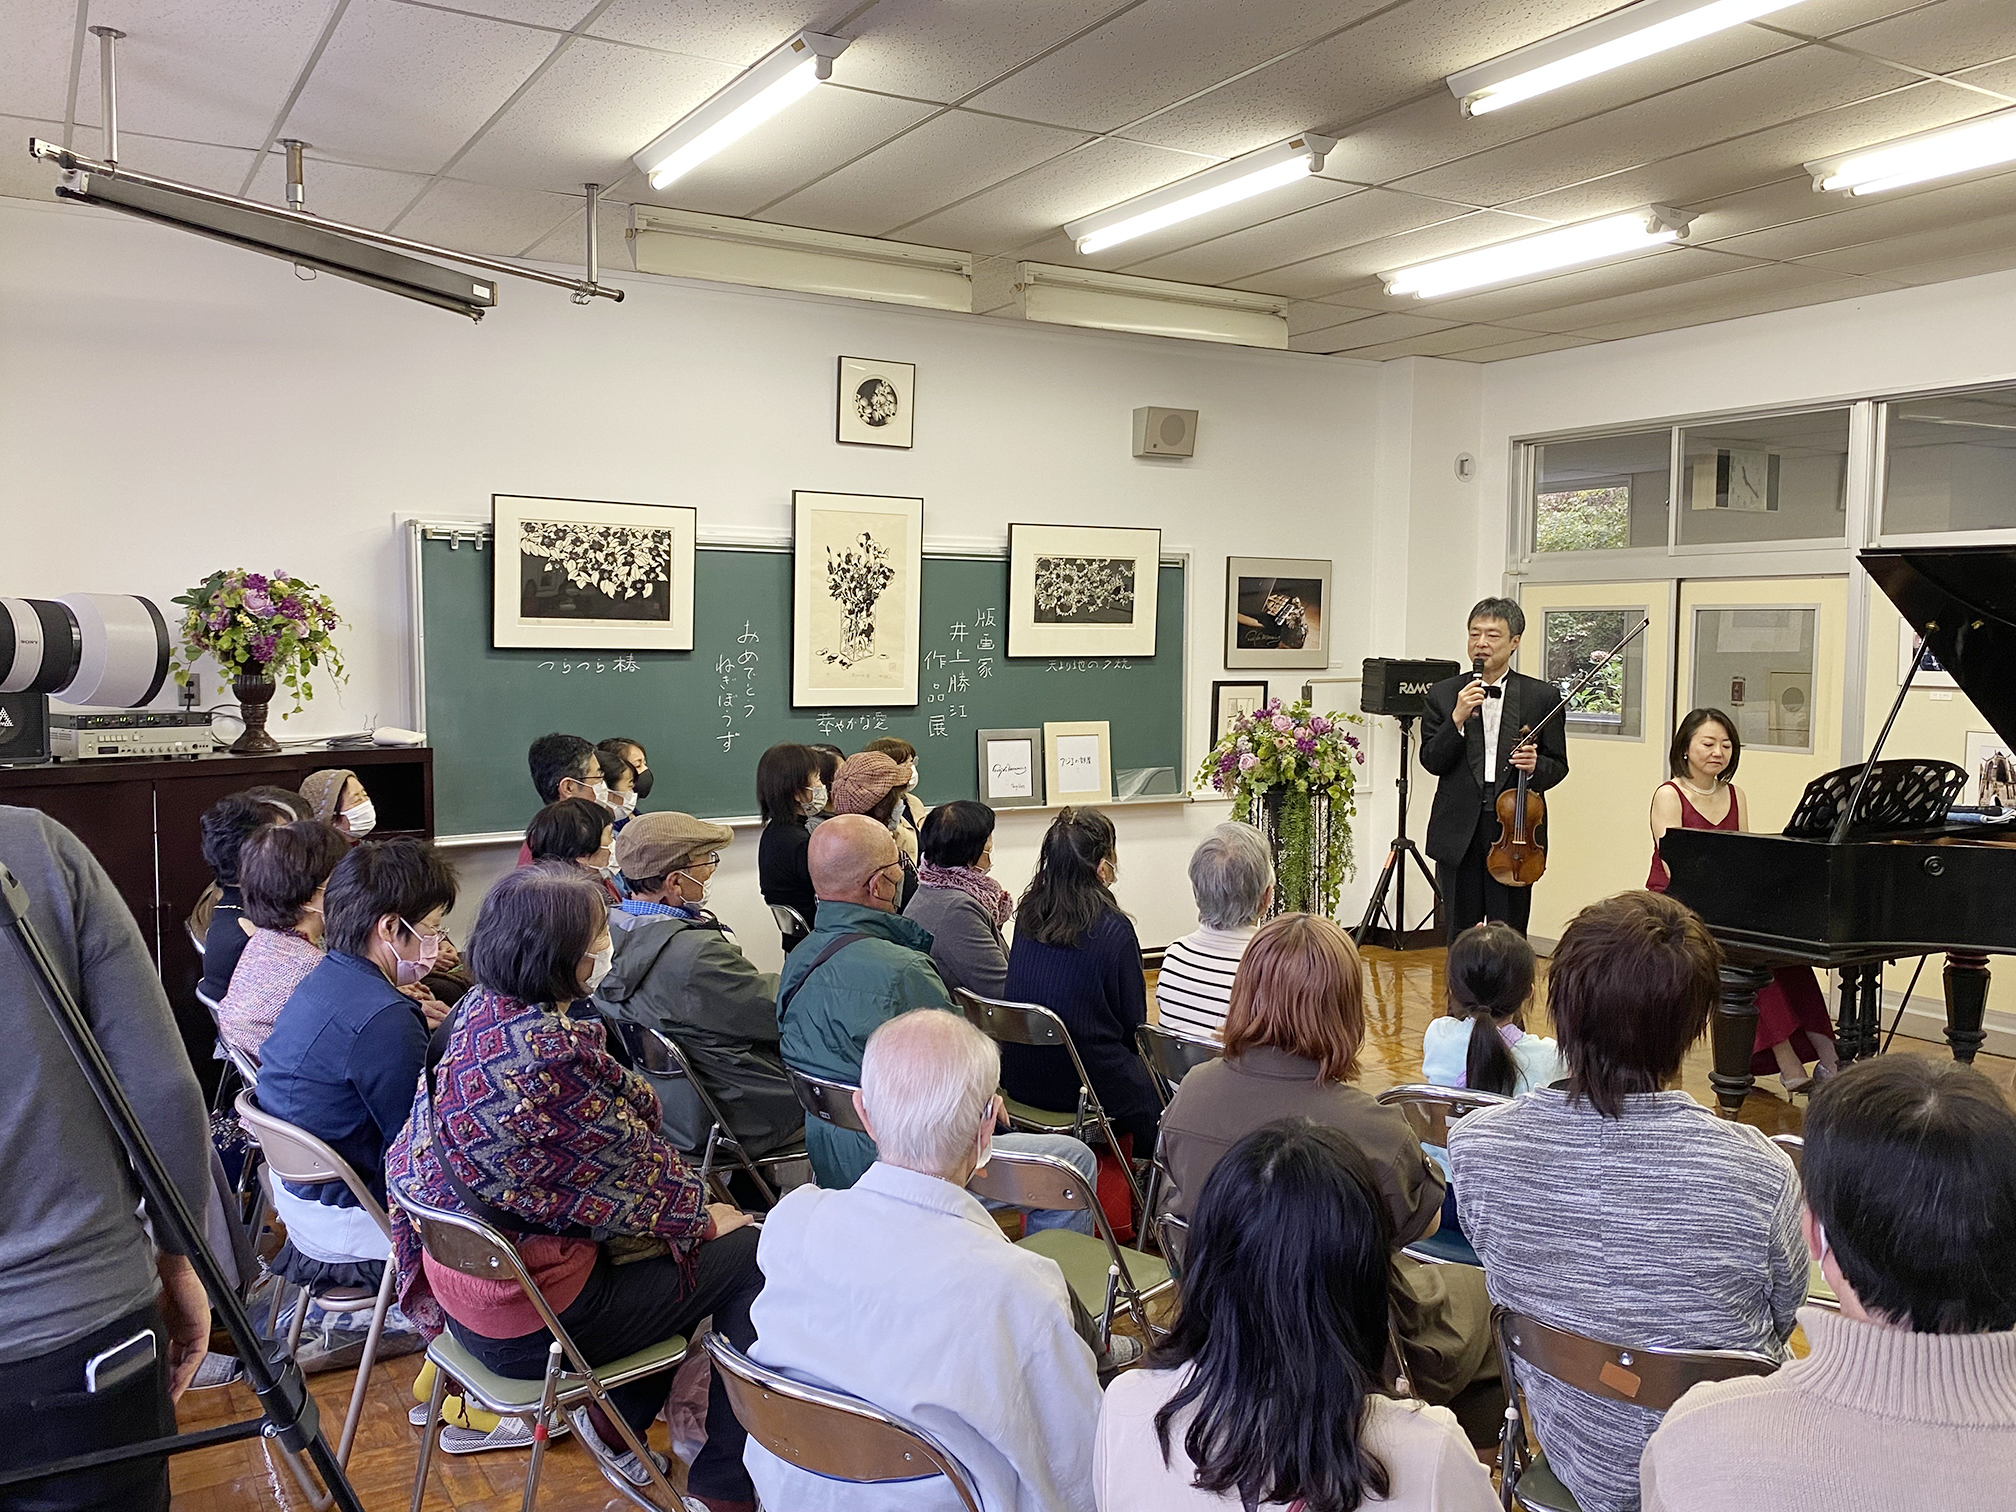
x=1097, y=988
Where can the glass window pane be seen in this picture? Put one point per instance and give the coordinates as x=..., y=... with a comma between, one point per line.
x=1603, y=493
x=1783, y=478
x=1757, y=666
x=1574, y=640
x=1950, y=463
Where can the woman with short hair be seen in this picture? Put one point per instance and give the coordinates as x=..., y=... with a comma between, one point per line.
x=1618, y=1207
x=1292, y=1037
x=281, y=872
x=1268, y=1391
x=959, y=902
x=789, y=793
x=518, y=1075
x=1232, y=879
x=337, y=796
x=577, y=832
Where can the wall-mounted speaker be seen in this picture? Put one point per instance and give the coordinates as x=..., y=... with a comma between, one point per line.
x=1162, y=432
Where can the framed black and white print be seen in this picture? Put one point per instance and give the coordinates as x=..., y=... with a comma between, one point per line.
x=585, y=574
x=856, y=597
x=1277, y=612
x=877, y=402
x=1011, y=768
x=1082, y=590
x=1231, y=701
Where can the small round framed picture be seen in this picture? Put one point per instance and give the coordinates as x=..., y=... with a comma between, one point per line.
x=877, y=402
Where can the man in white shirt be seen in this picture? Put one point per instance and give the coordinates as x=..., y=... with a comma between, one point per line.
x=902, y=1290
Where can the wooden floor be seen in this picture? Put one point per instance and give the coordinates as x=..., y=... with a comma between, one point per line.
x=1404, y=994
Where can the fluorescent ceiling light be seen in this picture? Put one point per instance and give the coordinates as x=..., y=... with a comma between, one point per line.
x=746, y=102
x=1980, y=143
x=1150, y=306
x=689, y=244
x=1213, y=189
x=1569, y=247
x=1581, y=52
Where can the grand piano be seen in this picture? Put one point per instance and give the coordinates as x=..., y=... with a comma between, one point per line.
x=1877, y=863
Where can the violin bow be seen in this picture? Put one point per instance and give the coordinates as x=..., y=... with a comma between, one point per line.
x=1587, y=678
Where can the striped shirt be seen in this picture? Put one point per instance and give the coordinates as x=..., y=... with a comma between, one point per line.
x=1665, y=1228
x=1195, y=986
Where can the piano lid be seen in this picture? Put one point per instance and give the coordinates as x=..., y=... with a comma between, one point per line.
x=1962, y=599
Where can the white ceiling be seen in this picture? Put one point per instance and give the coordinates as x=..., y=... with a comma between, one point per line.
x=986, y=124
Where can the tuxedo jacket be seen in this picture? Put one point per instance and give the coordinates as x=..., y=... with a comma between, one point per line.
x=1456, y=756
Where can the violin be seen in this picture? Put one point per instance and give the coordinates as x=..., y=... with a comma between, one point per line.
x=1517, y=857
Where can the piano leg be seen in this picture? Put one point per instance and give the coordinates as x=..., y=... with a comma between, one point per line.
x=1735, y=1034
x=1966, y=999
x=1860, y=1031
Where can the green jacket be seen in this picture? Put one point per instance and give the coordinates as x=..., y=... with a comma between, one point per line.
x=859, y=988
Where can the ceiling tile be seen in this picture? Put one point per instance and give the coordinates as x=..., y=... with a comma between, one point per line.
x=1318, y=276
x=35, y=63
x=1386, y=351
x=1851, y=222
x=401, y=87
x=1664, y=269
x=944, y=160
x=1830, y=18
x=1963, y=235
x=932, y=50
x=587, y=114
x=1945, y=269
x=1999, y=76
x=1344, y=222
x=497, y=222
x=1950, y=35
x=1745, y=291
x=1392, y=326
x=1306, y=316
x=23, y=177
x=1159, y=52
x=198, y=163
x=1462, y=339
x=1781, y=202
x=340, y=191
x=1529, y=346
x=566, y=240
x=737, y=34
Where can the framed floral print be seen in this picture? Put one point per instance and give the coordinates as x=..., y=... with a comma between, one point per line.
x=856, y=596
x=876, y=403
x=584, y=574
x=1080, y=590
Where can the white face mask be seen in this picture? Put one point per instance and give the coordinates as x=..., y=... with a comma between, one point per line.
x=706, y=888
x=362, y=819
x=813, y=802
x=600, y=792
x=603, y=959
x=913, y=777
x=624, y=804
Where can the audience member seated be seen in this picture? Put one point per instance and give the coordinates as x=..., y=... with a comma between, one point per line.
x=225, y=825
x=959, y=902
x=576, y=832
x=861, y=967
x=517, y=1075
x=1076, y=953
x=621, y=779
x=1232, y=879
x=281, y=872
x=789, y=792
x=336, y=796
x=345, y=1053
x=904, y=1292
x=564, y=766
x=1908, y=1397
x=830, y=757
x=1269, y=1389
x=1618, y=1208
x=872, y=784
x=1292, y=1038
x=625, y=749
x=910, y=808
x=679, y=971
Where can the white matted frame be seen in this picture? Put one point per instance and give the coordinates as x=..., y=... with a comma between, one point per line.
x=1078, y=761
x=1277, y=612
x=1083, y=590
x=876, y=403
x=1011, y=768
x=856, y=599
x=591, y=574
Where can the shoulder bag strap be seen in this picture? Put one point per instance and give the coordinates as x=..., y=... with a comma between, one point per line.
x=784, y=1003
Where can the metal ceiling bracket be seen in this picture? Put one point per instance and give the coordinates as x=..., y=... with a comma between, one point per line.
x=592, y=194
x=108, y=88
x=297, y=185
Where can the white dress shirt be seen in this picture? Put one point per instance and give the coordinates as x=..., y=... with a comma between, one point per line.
x=903, y=1291
x=1493, y=715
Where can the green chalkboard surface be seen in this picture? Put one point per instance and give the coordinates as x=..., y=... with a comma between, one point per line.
x=705, y=715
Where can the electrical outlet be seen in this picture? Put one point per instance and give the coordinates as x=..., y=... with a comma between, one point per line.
x=191, y=692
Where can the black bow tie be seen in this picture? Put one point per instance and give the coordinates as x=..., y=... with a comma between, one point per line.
x=1494, y=690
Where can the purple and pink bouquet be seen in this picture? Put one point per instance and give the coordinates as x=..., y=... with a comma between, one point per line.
x=260, y=622
x=1285, y=745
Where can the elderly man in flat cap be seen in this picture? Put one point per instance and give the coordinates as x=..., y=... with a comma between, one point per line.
x=678, y=970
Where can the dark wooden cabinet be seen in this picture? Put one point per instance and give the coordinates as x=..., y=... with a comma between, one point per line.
x=142, y=819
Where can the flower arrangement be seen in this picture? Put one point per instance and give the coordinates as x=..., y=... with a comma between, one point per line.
x=1293, y=774
x=255, y=625
x=855, y=579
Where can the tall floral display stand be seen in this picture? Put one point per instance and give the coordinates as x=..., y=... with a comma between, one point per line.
x=1293, y=776
x=267, y=631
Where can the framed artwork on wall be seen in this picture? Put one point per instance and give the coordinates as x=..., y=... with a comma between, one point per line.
x=1277, y=612
x=1082, y=590
x=876, y=403
x=1931, y=675
x=1078, y=761
x=586, y=574
x=856, y=578
x=1991, y=771
x=1011, y=768
x=1231, y=701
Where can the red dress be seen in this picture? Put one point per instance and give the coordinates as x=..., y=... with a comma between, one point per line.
x=1793, y=1001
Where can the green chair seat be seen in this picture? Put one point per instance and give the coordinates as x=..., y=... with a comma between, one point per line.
x=505, y=1395
x=1041, y=1118
x=1084, y=1259
x=1541, y=1490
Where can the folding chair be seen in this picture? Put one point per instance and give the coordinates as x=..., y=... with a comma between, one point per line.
x=1642, y=1377
x=241, y=1061
x=662, y=1055
x=830, y=1433
x=1429, y=1111
x=1032, y=1024
x=828, y=1101
x=1095, y=1266
x=194, y=938
x=293, y=1154
x=791, y=924
x=474, y=1248
x=1172, y=1056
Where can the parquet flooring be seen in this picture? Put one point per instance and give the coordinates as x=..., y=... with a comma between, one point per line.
x=1405, y=992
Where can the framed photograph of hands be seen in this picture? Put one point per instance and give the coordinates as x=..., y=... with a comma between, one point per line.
x=1277, y=612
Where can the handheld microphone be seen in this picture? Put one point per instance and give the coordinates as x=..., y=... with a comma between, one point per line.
x=1477, y=667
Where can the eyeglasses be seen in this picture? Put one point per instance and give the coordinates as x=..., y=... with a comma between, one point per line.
x=897, y=864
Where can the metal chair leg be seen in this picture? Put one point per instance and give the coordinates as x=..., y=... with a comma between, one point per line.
x=300, y=1318
x=542, y=1426
x=427, y=1435
x=1106, y=1312
x=638, y=1448
x=370, y=1358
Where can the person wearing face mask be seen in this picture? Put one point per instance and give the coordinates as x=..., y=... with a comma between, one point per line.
x=337, y=797
x=909, y=815
x=621, y=779
x=679, y=971
x=580, y=833
x=963, y=907
x=622, y=748
x=873, y=784
x=789, y=795
x=564, y=766
x=281, y=872
x=346, y=1050
x=516, y=1069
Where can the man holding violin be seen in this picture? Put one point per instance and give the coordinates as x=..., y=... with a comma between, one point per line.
x=1471, y=731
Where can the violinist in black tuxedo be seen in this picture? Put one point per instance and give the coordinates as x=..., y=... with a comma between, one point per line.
x=1471, y=723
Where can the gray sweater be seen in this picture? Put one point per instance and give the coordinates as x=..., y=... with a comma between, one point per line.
x=966, y=945
x=73, y=1254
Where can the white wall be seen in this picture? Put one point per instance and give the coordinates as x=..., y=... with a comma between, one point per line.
x=169, y=406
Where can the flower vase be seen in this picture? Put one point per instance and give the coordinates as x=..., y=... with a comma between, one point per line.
x=254, y=688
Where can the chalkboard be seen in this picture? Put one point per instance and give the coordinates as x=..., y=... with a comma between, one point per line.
x=705, y=715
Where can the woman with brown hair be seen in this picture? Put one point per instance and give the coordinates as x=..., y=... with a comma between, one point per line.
x=1292, y=1037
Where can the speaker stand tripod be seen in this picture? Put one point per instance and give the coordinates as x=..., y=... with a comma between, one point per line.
x=1387, y=925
